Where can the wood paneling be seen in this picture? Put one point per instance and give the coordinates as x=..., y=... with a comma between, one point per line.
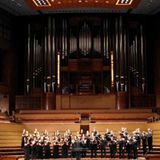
x=49, y=100
x=87, y=101
x=73, y=66
x=28, y=102
x=121, y=100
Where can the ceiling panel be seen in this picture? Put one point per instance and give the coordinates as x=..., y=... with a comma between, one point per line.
x=149, y=7
x=20, y=8
x=17, y=7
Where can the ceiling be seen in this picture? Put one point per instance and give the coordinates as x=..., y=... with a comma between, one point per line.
x=20, y=8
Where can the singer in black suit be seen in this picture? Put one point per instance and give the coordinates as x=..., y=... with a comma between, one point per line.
x=135, y=147
x=93, y=145
x=112, y=145
x=121, y=143
x=103, y=145
x=144, y=142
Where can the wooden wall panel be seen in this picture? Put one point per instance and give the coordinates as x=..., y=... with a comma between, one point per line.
x=58, y=102
x=97, y=66
x=121, y=100
x=86, y=101
x=49, y=101
x=65, y=102
x=73, y=66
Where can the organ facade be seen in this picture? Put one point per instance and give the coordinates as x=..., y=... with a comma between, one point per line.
x=73, y=60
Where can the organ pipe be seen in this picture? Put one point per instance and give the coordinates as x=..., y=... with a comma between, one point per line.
x=85, y=40
x=142, y=59
x=121, y=54
x=107, y=40
x=136, y=54
x=34, y=61
x=63, y=39
x=49, y=55
x=65, y=49
x=116, y=55
x=28, y=59
x=104, y=38
x=45, y=60
x=53, y=62
x=125, y=60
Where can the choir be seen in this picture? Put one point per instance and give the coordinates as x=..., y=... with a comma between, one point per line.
x=35, y=145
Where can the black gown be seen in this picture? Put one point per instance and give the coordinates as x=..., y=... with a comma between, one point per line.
x=56, y=150
x=64, y=150
x=33, y=152
x=40, y=149
x=22, y=141
x=47, y=150
x=26, y=150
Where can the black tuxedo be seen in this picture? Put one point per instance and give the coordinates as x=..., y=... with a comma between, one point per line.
x=150, y=140
x=129, y=148
x=121, y=143
x=112, y=145
x=144, y=143
x=134, y=147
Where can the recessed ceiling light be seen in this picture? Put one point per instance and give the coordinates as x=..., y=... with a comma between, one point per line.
x=107, y=2
x=59, y=2
x=96, y=1
x=80, y=1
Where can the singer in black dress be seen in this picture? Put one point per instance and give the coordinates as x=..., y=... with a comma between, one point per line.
x=22, y=141
x=26, y=148
x=33, y=149
x=47, y=150
x=56, y=149
x=64, y=149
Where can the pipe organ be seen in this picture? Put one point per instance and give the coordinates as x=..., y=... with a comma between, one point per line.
x=71, y=55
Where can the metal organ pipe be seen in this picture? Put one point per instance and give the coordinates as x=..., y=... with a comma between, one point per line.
x=134, y=62
x=53, y=62
x=28, y=59
x=104, y=39
x=142, y=59
x=45, y=60
x=136, y=67
x=34, y=61
x=121, y=53
x=65, y=49
x=125, y=61
x=116, y=55
x=49, y=56
x=107, y=40
x=63, y=56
